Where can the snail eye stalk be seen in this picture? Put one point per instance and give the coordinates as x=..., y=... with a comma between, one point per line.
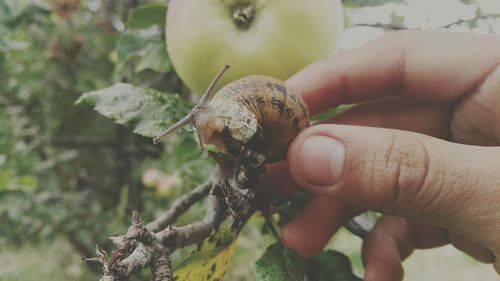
x=209, y=92
x=183, y=122
x=189, y=118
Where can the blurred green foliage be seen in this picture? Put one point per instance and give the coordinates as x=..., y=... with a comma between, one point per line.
x=64, y=170
x=47, y=60
x=30, y=262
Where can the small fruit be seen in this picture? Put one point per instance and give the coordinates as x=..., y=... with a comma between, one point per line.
x=151, y=177
x=166, y=185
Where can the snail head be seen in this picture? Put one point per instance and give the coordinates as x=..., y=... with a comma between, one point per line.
x=205, y=123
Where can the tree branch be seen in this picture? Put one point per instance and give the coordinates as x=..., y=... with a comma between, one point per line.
x=152, y=244
x=395, y=26
x=183, y=203
x=383, y=26
x=460, y=21
x=195, y=233
x=155, y=248
x=162, y=268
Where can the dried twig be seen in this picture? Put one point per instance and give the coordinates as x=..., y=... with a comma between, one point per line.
x=183, y=203
x=383, y=26
x=178, y=237
x=152, y=244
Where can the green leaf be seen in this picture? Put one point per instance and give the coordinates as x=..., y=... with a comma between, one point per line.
x=330, y=266
x=364, y=3
x=294, y=204
x=210, y=260
x=147, y=15
x=146, y=47
x=147, y=111
x=279, y=264
x=329, y=113
x=156, y=59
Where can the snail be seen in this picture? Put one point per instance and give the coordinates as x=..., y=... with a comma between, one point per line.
x=257, y=114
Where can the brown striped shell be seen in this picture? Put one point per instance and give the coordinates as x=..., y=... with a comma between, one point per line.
x=261, y=112
x=256, y=114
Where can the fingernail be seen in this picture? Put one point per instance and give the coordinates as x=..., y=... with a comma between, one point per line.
x=321, y=160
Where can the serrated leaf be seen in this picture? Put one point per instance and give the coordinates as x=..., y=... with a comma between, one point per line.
x=147, y=15
x=330, y=266
x=146, y=111
x=210, y=260
x=280, y=264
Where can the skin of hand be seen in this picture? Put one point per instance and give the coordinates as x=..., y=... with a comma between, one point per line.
x=421, y=146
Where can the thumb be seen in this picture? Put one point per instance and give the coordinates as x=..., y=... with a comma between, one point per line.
x=403, y=173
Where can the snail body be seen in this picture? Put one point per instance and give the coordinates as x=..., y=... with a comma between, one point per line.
x=256, y=113
x=265, y=114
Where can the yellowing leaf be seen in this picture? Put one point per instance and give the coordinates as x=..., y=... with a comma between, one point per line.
x=210, y=260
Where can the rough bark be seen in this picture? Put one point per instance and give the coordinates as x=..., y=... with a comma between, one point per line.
x=150, y=245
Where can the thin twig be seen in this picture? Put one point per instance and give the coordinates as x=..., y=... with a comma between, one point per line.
x=152, y=245
x=383, y=26
x=392, y=26
x=167, y=241
x=179, y=207
x=195, y=233
x=182, y=204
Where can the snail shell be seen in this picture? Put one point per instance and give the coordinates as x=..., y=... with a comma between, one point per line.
x=265, y=114
x=256, y=113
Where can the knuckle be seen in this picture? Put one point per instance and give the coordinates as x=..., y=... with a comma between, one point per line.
x=400, y=169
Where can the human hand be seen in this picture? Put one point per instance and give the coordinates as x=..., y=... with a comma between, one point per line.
x=429, y=158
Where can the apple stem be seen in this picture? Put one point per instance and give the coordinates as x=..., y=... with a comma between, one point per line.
x=243, y=15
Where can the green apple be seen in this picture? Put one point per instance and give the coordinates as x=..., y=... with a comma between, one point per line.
x=270, y=37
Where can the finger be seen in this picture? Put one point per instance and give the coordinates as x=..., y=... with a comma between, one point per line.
x=473, y=249
x=402, y=173
x=280, y=179
x=382, y=249
x=427, y=118
x=429, y=66
x=427, y=236
x=391, y=241
x=311, y=230
x=398, y=113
